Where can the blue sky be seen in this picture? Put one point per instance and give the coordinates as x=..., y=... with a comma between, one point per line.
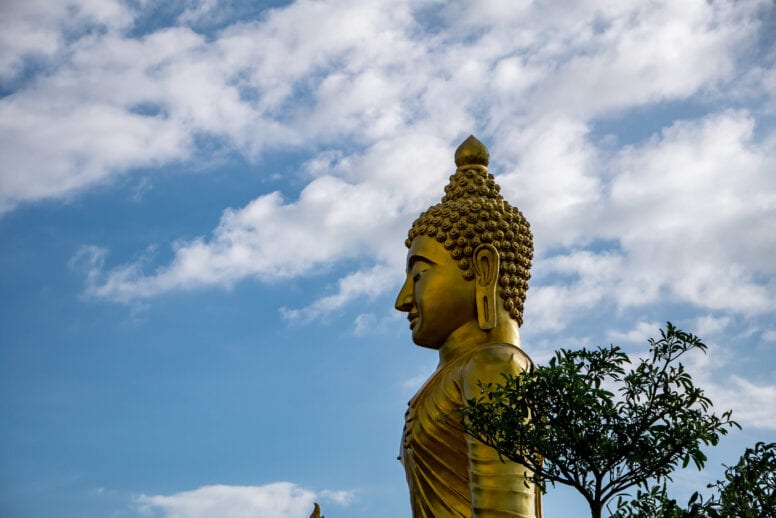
x=203, y=207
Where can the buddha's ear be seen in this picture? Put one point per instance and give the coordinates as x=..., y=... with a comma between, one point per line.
x=486, y=262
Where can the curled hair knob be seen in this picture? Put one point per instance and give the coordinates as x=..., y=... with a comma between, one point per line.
x=472, y=152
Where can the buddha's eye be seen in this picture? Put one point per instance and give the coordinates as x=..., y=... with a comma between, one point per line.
x=417, y=275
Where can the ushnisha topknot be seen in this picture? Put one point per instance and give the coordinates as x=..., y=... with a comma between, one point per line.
x=473, y=212
x=472, y=152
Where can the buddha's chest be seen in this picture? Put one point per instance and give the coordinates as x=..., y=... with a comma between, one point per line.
x=432, y=422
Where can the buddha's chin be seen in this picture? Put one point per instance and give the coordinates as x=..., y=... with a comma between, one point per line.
x=420, y=340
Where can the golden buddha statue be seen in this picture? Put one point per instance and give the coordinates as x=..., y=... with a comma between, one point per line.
x=467, y=275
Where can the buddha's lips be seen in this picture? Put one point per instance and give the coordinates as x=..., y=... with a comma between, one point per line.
x=412, y=317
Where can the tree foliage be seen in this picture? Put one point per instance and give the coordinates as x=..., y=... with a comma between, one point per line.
x=749, y=488
x=654, y=502
x=592, y=420
x=748, y=491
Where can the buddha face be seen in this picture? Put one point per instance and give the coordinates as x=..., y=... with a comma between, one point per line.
x=437, y=299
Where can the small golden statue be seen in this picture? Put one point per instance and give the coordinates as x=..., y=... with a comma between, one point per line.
x=467, y=275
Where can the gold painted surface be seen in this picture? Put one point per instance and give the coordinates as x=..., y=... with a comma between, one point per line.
x=467, y=271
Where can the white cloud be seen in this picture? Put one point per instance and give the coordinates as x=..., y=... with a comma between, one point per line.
x=269, y=239
x=555, y=180
x=81, y=125
x=364, y=323
x=676, y=214
x=276, y=500
x=595, y=57
x=112, y=102
x=751, y=400
x=413, y=383
x=199, y=12
x=588, y=279
x=377, y=323
x=533, y=77
x=369, y=283
x=340, y=497
x=688, y=213
x=39, y=29
x=664, y=51
x=639, y=334
x=753, y=403
x=690, y=208
x=708, y=326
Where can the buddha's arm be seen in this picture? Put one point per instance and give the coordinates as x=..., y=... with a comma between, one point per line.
x=498, y=489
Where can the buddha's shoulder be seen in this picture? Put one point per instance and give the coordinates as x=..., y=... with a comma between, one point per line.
x=501, y=357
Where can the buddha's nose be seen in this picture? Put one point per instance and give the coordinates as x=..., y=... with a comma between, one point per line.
x=404, y=300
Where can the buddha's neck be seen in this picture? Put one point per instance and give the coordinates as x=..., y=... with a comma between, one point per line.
x=469, y=336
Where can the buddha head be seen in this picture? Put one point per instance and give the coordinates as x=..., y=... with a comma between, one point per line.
x=469, y=256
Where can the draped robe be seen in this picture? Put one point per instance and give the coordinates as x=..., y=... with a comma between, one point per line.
x=449, y=473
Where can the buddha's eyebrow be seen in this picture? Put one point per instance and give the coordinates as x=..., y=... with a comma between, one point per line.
x=415, y=258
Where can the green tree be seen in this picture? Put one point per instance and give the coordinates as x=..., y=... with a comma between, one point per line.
x=749, y=488
x=748, y=491
x=654, y=502
x=586, y=422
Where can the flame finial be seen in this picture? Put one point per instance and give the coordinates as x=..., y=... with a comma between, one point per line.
x=472, y=152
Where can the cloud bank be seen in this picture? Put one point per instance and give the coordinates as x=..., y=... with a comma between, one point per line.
x=377, y=95
x=276, y=500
